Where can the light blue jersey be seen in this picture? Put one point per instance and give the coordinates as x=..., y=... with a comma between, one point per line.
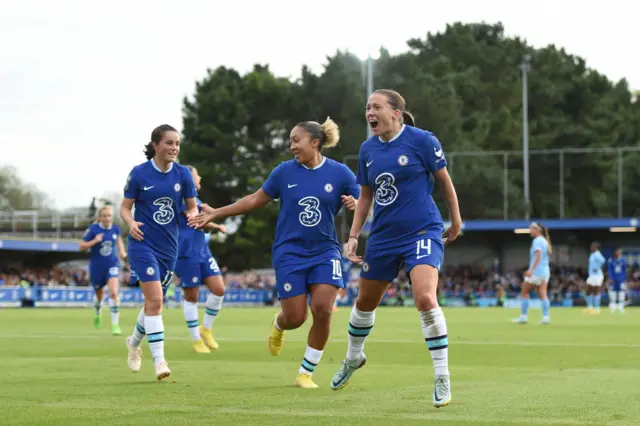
x=596, y=262
x=542, y=269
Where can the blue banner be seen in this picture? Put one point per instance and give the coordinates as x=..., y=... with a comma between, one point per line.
x=40, y=245
x=129, y=297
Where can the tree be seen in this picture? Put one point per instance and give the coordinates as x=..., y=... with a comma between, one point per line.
x=16, y=194
x=465, y=85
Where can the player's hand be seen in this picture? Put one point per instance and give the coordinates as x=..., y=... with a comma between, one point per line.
x=451, y=233
x=527, y=273
x=349, y=202
x=135, y=232
x=352, y=247
x=98, y=238
x=207, y=215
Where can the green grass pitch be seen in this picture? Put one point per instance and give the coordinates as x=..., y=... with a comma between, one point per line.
x=582, y=369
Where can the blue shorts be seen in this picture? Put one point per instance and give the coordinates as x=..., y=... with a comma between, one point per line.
x=384, y=265
x=149, y=267
x=193, y=272
x=100, y=274
x=618, y=285
x=294, y=280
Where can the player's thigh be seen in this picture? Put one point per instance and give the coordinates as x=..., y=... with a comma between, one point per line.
x=154, y=277
x=326, y=272
x=212, y=276
x=379, y=268
x=423, y=259
x=291, y=287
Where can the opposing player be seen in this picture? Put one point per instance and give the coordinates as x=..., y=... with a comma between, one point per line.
x=195, y=266
x=595, y=279
x=306, y=253
x=617, y=271
x=538, y=274
x=156, y=188
x=397, y=169
x=102, y=239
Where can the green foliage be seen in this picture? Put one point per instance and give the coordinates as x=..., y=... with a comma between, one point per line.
x=465, y=85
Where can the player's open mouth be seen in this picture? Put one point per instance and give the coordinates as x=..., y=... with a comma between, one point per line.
x=373, y=124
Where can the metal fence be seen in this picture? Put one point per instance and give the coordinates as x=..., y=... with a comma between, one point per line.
x=564, y=183
x=33, y=224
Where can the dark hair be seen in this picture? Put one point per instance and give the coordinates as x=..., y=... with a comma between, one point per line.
x=397, y=102
x=327, y=133
x=156, y=136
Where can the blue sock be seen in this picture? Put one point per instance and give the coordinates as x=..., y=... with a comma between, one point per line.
x=589, y=299
x=545, y=303
x=524, y=308
x=596, y=301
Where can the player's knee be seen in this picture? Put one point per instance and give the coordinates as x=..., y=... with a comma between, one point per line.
x=296, y=318
x=153, y=305
x=426, y=301
x=322, y=312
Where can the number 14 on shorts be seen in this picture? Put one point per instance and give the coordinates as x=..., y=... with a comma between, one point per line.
x=423, y=248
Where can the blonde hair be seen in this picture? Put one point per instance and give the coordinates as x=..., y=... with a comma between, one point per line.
x=331, y=133
x=327, y=133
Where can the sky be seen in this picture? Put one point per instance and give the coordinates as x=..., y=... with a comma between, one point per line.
x=83, y=83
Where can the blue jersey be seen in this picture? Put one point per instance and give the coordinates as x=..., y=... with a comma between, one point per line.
x=192, y=243
x=105, y=253
x=400, y=172
x=309, y=202
x=542, y=269
x=617, y=269
x=158, y=196
x=596, y=262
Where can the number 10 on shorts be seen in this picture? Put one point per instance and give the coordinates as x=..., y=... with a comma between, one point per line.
x=423, y=248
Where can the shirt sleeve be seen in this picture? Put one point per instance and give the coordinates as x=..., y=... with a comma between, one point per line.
x=431, y=153
x=272, y=185
x=188, y=185
x=351, y=186
x=89, y=234
x=362, y=176
x=131, y=188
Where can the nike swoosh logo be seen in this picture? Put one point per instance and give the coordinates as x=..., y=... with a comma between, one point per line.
x=369, y=163
x=438, y=153
x=420, y=256
x=148, y=187
x=291, y=186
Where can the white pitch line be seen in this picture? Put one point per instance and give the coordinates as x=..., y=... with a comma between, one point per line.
x=452, y=342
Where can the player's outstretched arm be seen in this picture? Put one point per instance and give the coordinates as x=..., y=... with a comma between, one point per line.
x=451, y=198
x=242, y=206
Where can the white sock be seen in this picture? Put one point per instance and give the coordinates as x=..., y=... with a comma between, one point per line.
x=191, y=317
x=621, y=296
x=360, y=325
x=155, y=335
x=114, y=307
x=434, y=329
x=214, y=303
x=310, y=361
x=612, y=299
x=96, y=305
x=275, y=323
x=138, y=330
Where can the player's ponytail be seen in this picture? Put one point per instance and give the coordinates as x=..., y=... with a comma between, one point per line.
x=149, y=151
x=331, y=133
x=547, y=236
x=407, y=118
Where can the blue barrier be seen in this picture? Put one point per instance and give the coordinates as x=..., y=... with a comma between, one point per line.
x=129, y=297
